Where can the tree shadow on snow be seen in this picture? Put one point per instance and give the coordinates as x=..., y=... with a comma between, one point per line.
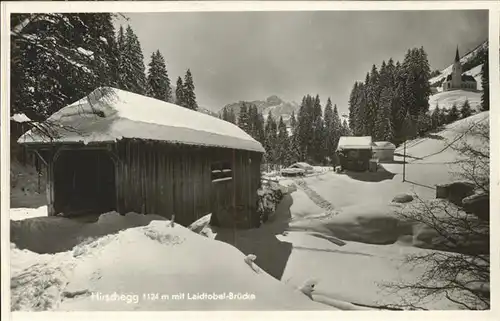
x=272, y=254
x=380, y=175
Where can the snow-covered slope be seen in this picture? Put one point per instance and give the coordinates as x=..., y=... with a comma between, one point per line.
x=153, y=267
x=446, y=99
x=435, y=149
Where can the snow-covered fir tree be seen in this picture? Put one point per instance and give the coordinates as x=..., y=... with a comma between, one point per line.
x=329, y=141
x=453, y=114
x=318, y=132
x=282, y=144
x=179, y=93
x=270, y=139
x=337, y=127
x=132, y=68
x=58, y=58
x=465, y=110
x=189, y=94
x=243, y=118
x=383, y=126
x=158, y=81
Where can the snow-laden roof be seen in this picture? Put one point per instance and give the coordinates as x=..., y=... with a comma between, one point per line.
x=355, y=142
x=20, y=118
x=110, y=114
x=384, y=145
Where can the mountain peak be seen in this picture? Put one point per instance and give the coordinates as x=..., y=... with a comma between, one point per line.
x=274, y=100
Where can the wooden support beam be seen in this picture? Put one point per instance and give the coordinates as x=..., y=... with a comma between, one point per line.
x=41, y=157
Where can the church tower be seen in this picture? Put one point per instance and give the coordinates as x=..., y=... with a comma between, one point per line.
x=456, y=75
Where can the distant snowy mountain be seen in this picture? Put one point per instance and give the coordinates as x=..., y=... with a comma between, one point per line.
x=274, y=104
x=470, y=61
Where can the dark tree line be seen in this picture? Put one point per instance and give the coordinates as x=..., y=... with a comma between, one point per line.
x=57, y=59
x=392, y=103
x=312, y=135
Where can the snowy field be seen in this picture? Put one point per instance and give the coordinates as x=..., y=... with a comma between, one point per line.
x=446, y=99
x=339, y=231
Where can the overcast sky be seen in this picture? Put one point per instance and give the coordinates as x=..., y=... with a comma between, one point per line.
x=251, y=55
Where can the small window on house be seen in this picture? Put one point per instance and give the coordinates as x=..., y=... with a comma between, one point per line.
x=221, y=171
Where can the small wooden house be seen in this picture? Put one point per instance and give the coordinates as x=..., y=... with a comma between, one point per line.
x=355, y=152
x=116, y=150
x=384, y=151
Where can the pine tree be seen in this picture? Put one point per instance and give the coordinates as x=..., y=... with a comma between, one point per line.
x=293, y=123
x=100, y=41
x=189, y=95
x=424, y=123
x=436, y=120
x=454, y=114
x=373, y=93
x=120, y=44
x=253, y=118
x=485, y=82
x=304, y=128
x=466, y=110
x=318, y=137
x=57, y=59
x=294, y=146
x=329, y=140
x=158, y=81
x=383, y=128
x=260, y=125
x=243, y=119
x=179, y=93
x=270, y=140
x=345, y=130
x=353, y=106
x=337, y=128
x=133, y=77
x=282, y=144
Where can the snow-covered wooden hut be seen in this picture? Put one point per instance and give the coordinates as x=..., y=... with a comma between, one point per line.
x=355, y=152
x=384, y=151
x=116, y=150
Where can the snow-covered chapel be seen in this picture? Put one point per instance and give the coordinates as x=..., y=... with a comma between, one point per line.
x=456, y=80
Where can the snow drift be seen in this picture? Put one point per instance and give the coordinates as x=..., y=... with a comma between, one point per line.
x=153, y=267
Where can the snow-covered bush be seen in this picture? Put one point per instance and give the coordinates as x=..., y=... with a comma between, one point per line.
x=269, y=196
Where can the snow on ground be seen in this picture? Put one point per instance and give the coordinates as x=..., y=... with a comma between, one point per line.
x=446, y=99
x=353, y=254
x=432, y=149
x=430, y=159
x=27, y=188
x=153, y=267
x=20, y=118
x=21, y=213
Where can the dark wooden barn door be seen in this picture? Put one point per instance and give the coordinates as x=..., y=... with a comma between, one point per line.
x=222, y=194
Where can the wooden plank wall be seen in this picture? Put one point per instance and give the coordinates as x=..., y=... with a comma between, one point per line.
x=164, y=179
